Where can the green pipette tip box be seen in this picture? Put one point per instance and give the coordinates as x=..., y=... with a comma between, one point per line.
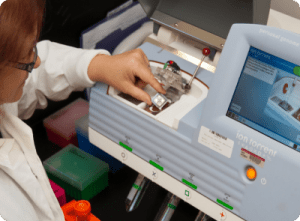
x=80, y=174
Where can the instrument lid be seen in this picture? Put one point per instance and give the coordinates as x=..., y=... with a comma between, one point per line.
x=208, y=21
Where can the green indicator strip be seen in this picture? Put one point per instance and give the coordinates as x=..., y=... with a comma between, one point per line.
x=189, y=184
x=156, y=165
x=297, y=70
x=125, y=146
x=136, y=186
x=171, y=206
x=224, y=204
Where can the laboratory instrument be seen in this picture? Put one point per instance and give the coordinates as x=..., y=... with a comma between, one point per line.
x=229, y=147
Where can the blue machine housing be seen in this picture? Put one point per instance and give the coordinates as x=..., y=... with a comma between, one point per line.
x=274, y=194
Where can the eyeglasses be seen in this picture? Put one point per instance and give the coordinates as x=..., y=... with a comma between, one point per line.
x=29, y=66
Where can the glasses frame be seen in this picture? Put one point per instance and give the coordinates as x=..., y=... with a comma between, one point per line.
x=29, y=66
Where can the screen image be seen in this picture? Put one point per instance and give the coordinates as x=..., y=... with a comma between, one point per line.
x=267, y=98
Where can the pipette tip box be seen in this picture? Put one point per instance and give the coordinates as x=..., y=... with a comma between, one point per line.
x=59, y=193
x=81, y=126
x=60, y=126
x=80, y=174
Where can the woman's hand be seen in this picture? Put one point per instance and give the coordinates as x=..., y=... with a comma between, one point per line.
x=128, y=72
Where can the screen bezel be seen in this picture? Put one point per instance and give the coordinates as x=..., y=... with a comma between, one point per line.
x=229, y=70
x=257, y=126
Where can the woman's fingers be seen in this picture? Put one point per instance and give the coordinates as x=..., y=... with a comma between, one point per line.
x=140, y=84
x=139, y=94
x=146, y=76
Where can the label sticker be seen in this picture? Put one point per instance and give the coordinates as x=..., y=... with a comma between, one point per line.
x=253, y=158
x=216, y=141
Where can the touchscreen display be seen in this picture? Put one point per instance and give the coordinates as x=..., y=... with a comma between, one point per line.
x=267, y=97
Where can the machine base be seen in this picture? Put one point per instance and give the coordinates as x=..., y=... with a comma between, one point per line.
x=162, y=179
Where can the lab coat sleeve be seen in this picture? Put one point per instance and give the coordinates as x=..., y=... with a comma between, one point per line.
x=63, y=70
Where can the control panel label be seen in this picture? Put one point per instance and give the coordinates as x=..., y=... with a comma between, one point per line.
x=216, y=141
x=253, y=158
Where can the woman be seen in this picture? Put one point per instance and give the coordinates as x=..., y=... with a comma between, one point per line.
x=30, y=72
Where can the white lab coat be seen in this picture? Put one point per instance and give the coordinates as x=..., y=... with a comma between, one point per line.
x=25, y=191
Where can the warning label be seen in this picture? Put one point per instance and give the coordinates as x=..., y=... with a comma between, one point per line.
x=252, y=158
x=216, y=141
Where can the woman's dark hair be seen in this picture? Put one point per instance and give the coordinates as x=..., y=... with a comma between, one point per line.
x=19, y=20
